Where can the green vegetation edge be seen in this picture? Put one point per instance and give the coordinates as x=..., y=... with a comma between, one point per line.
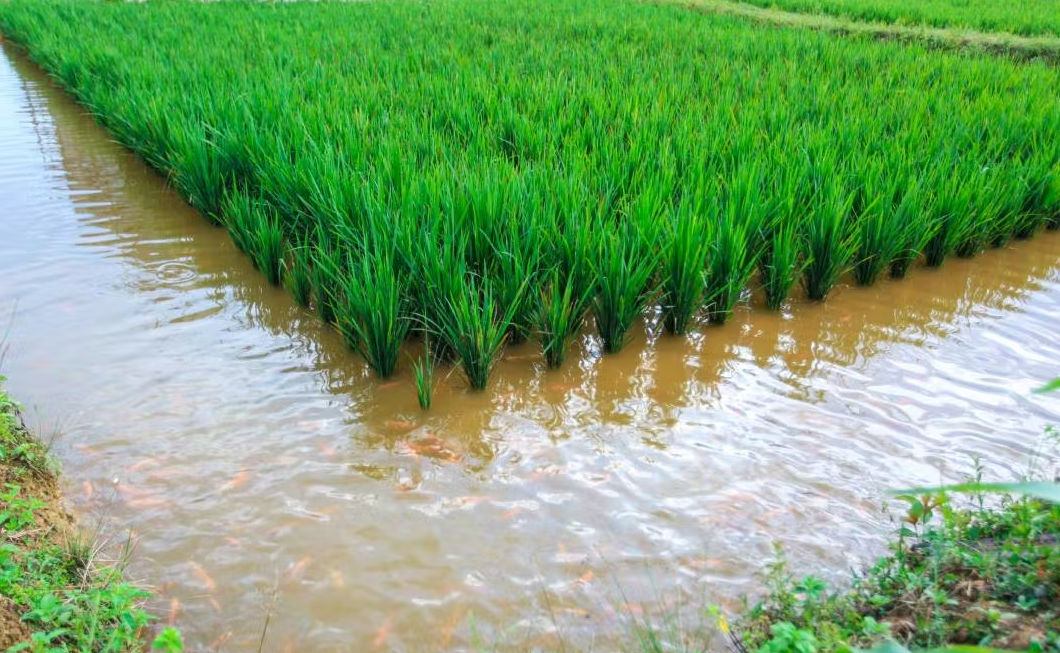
x=963, y=570
x=58, y=592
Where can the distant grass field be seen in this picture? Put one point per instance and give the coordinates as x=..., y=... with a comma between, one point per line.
x=475, y=172
x=1025, y=17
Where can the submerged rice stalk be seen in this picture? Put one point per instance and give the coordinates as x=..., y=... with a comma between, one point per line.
x=952, y=223
x=782, y=260
x=781, y=263
x=474, y=325
x=733, y=256
x=371, y=313
x=624, y=265
x=297, y=277
x=256, y=231
x=325, y=271
x=879, y=239
x=683, y=261
x=558, y=318
x=423, y=368
x=914, y=231
x=830, y=245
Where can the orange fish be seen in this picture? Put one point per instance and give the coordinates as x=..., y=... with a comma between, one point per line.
x=398, y=425
x=326, y=449
x=390, y=386
x=130, y=491
x=204, y=577
x=143, y=464
x=234, y=541
x=242, y=477
x=587, y=577
x=296, y=570
x=510, y=514
x=221, y=640
x=87, y=450
x=217, y=608
x=382, y=635
x=88, y=491
x=174, y=610
x=432, y=446
x=336, y=579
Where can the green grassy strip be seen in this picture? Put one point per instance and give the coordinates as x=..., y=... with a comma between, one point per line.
x=51, y=577
x=963, y=570
x=1016, y=17
x=483, y=172
x=884, y=20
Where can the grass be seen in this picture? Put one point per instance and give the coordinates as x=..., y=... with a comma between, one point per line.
x=57, y=591
x=662, y=157
x=960, y=572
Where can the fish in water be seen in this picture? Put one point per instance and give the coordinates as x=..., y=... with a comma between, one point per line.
x=144, y=464
x=220, y=640
x=214, y=604
x=337, y=581
x=399, y=425
x=382, y=635
x=174, y=610
x=296, y=570
x=204, y=577
x=327, y=450
x=512, y=513
x=88, y=490
x=432, y=446
x=239, y=479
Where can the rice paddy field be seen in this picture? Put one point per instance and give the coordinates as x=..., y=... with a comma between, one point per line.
x=475, y=173
x=1024, y=17
x=511, y=325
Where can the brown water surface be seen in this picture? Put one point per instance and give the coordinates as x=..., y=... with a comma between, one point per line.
x=264, y=470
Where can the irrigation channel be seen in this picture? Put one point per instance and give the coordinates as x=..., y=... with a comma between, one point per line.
x=264, y=470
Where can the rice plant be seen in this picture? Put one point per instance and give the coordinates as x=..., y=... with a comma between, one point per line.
x=624, y=266
x=475, y=326
x=256, y=231
x=878, y=238
x=423, y=369
x=371, y=309
x=559, y=314
x=781, y=263
x=683, y=261
x=829, y=242
x=952, y=223
x=733, y=233
x=504, y=199
x=914, y=231
x=297, y=277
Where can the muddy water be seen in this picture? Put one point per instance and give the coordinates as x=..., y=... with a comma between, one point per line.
x=268, y=477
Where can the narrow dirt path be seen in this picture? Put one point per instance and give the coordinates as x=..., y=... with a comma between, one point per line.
x=1045, y=48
